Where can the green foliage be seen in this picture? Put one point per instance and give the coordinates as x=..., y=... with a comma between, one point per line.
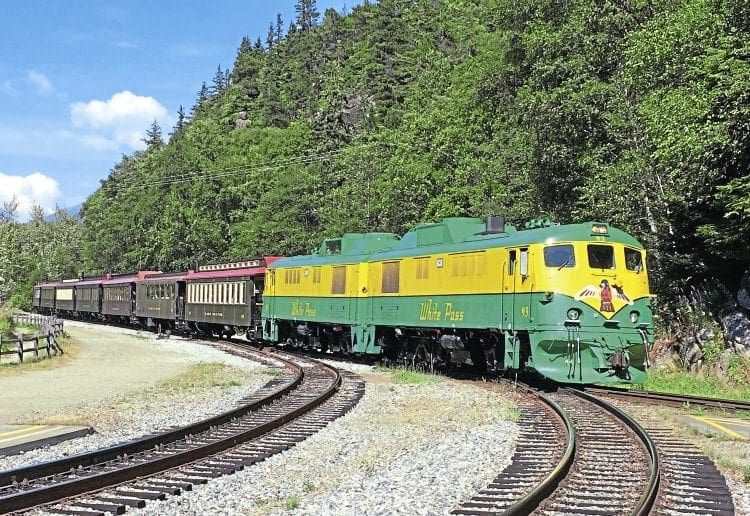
x=400, y=375
x=35, y=250
x=679, y=382
x=6, y=321
x=632, y=112
x=738, y=370
x=290, y=503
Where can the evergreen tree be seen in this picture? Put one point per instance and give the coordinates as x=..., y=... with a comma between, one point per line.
x=258, y=47
x=217, y=84
x=307, y=14
x=279, y=33
x=179, y=126
x=153, y=139
x=270, y=37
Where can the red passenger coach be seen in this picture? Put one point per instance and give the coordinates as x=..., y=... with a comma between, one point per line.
x=226, y=298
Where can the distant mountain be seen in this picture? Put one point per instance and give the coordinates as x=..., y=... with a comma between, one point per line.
x=72, y=210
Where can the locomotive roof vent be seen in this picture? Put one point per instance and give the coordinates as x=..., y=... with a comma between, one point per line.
x=494, y=224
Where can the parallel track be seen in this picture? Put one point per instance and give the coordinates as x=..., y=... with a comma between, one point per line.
x=663, y=398
x=287, y=410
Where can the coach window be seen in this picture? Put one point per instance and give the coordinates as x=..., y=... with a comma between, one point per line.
x=601, y=256
x=338, y=283
x=316, y=275
x=559, y=256
x=390, y=277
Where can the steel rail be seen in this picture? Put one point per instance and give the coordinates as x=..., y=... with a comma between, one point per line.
x=665, y=398
x=67, y=488
x=647, y=499
x=547, y=486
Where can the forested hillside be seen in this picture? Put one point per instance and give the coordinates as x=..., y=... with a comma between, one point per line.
x=632, y=112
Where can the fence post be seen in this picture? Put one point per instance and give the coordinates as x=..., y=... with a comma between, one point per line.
x=49, y=354
x=36, y=347
x=20, y=351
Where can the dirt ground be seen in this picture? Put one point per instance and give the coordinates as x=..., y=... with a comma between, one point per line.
x=110, y=363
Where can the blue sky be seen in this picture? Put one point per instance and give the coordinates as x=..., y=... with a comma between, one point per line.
x=81, y=80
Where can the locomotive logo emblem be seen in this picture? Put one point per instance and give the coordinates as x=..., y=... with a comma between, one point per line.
x=607, y=296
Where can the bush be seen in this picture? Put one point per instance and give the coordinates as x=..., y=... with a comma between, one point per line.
x=6, y=321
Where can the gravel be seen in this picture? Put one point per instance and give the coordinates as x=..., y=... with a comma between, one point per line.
x=404, y=449
x=143, y=407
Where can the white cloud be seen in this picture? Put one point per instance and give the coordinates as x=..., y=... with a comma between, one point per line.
x=33, y=188
x=123, y=118
x=8, y=88
x=41, y=82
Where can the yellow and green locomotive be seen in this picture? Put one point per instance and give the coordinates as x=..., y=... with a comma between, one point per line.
x=570, y=302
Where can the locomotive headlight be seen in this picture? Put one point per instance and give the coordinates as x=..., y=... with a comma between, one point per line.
x=634, y=315
x=573, y=314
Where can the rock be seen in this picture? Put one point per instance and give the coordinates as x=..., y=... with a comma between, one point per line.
x=743, y=295
x=737, y=331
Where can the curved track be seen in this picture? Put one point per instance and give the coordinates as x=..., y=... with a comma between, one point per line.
x=287, y=410
x=575, y=455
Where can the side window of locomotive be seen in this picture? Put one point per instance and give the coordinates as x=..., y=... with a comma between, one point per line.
x=390, y=277
x=338, y=284
x=559, y=256
x=524, y=263
x=511, y=263
x=633, y=260
x=601, y=256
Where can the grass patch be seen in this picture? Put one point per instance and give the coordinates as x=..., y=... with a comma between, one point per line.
x=71, y=349
x=401, y=375
x=291, y=503
x=201, y=376
x=308, y=487
x=269, y=371
x=672, y=380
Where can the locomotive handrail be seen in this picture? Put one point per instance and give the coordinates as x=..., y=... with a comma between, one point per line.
x=545, y=488
x=646, y=501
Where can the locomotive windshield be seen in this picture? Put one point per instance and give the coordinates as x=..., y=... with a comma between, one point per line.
x=633, y=259
x=601, y=256
x=559, y=256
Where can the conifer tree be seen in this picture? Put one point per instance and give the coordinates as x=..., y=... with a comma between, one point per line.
x=279, y=28
x=181, y=122
x=270, y=37
x=153, y=139
x=307, y=14
x=218, y=82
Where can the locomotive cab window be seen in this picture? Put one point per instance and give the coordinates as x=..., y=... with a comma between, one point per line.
x=633, y=260
x=601, y=256
x=559, y=256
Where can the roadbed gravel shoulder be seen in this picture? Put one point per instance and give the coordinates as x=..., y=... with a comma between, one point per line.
x=118, y=383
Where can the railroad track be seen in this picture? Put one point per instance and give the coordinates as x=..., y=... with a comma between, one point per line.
x=663, y=398
x=690, y=482
x=287, y=410
x=575, y=455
